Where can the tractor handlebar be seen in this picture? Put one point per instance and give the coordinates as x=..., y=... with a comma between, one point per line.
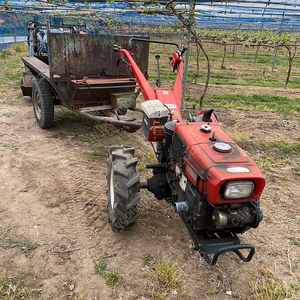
x=181, y=52
x=150, y=41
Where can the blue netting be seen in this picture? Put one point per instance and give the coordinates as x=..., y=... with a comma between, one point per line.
x=274, y=14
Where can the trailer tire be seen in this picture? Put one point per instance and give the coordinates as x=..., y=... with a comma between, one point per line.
x=123, y=185
x=43, y=103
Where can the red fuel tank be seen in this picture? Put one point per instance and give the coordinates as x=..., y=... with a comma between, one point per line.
x=215, y=164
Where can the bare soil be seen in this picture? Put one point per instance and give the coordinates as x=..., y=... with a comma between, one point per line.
x=54, y=223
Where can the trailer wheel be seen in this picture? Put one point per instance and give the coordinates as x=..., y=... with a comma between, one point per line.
x=43, y=104
x=123, y=187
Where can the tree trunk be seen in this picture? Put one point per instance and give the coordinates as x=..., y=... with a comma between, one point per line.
x=224, y=54
x=198, y=65
x=208, y=72
x=291, y=57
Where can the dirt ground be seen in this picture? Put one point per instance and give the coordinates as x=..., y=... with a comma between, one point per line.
x=54, y=224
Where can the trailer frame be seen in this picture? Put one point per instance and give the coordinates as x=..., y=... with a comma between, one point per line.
x=84, y=74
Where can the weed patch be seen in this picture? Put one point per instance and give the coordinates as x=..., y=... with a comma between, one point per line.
x=267, y=164
x=282, y=147
x=11, y=144
x=221, y=76
x=167, y=273
x=211, y=291
x=257, y=102
x=141, y=168
x=111, y=277
x=10, y=289
x=147, y=259
x=105, y=130
x=23, y=243
x=8, y=115
x=151, y=157
x=100, y=267
x=70, y=117
x=159, y=294
x=86, y=140
x=95, y=153
x=9, y=102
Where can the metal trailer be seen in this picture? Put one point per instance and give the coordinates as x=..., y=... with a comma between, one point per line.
x=82, y=72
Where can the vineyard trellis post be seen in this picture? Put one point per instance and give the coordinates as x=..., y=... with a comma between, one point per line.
x=224, y=54
x=276, y=49
x=187, y=55
x=261, y=28
x=198, y=64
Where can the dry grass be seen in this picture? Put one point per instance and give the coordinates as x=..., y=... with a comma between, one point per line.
x=269, y=287
x=167, y=273
x=273, y=289
x=238, y=136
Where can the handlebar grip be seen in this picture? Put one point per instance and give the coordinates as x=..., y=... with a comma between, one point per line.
x=116, y=48
x=183, y=50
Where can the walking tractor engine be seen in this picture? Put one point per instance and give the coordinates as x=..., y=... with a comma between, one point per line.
x=154, y=118
x=212, y=183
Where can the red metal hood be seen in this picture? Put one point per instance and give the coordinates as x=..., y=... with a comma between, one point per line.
x=196, y=141
x=214, y=167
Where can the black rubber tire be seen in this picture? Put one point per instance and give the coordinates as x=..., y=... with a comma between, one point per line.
x=123, y=184
x=43, y=103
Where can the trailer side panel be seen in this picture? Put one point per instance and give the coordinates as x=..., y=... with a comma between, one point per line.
x=91, y=55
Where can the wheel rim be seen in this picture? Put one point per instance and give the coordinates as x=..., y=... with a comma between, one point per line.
x=112, y=187
x=37, y=104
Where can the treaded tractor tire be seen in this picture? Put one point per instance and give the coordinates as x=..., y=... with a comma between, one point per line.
x=43, y=104
x=123, y=184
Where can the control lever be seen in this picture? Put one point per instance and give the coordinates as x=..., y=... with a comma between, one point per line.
x=158, y=82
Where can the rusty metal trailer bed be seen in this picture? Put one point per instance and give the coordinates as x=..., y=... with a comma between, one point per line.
x=82, y=73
